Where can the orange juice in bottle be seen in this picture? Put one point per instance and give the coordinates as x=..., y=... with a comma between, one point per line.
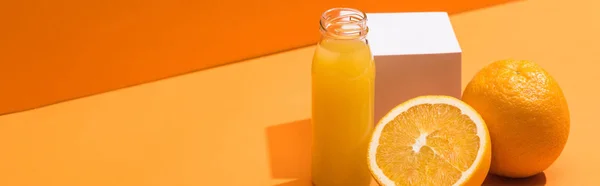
x=343, y=80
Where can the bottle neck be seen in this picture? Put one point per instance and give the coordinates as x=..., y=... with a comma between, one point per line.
x=343, y=24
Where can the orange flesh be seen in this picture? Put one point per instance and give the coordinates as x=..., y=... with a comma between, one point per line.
x=437, y=141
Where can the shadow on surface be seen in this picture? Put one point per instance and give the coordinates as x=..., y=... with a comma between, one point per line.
x=289, y=148
x=536, y=180
x=299, y=182
x=307, y=182
x=29, y=88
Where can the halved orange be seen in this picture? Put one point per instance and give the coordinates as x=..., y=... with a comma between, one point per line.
x=430, y=140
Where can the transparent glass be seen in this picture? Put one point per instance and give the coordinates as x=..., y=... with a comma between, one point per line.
x=343, y=83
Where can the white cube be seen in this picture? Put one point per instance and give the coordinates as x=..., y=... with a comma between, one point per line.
x=415, y=54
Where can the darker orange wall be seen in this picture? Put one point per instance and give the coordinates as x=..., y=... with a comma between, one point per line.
x=51, y=51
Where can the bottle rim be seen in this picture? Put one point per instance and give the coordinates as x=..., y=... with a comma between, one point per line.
x=344, y=23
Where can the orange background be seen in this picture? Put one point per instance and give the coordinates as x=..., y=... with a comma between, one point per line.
x=51, y=51
x=249, y=123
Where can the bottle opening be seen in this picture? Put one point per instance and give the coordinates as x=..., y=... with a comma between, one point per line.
x=344, y=23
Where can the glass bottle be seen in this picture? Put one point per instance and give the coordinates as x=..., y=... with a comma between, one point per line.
x=343, y=82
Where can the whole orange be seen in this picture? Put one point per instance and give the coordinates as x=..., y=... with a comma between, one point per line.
x=526, y=114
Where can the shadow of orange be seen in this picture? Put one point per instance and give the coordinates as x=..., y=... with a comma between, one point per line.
x=289, y=147
x=536, y=180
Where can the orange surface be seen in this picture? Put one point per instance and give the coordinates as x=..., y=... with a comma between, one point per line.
x=248, y=123
x=51, y=51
